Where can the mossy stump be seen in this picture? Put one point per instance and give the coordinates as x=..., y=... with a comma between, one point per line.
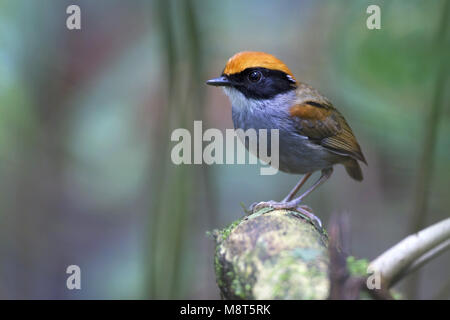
x=272, y=254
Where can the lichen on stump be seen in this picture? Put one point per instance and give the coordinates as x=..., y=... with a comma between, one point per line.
x=272, y=254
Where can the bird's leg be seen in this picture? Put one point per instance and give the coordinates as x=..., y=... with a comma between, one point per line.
x=286, y=199
x=297, y=187
x=326, y=174
x=294, y=204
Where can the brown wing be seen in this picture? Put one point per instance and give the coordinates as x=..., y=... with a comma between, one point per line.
x=324, y=125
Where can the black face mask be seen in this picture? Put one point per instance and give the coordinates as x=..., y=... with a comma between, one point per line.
x=261, y=83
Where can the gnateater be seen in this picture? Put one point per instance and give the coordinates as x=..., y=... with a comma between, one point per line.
x=313, y=135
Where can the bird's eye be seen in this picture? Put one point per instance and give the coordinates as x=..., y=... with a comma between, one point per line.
x=254, y=76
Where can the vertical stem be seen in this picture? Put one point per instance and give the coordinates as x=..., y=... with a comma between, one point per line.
x=158, y=170
x=196, y=45
x=172, y=199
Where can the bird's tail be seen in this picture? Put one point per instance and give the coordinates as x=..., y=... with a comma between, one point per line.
x=354, y=170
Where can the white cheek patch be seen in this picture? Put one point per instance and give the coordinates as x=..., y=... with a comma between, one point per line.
x=239, y=101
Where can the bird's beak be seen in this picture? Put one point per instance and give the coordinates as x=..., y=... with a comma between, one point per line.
x=221, y=81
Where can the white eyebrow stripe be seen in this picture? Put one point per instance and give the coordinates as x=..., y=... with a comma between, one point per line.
x=290, y=78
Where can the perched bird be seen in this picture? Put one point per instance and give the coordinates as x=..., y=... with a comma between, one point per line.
x=313, y=135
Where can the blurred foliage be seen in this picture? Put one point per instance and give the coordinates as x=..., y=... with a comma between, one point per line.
x=357, y=267
x=86, y=118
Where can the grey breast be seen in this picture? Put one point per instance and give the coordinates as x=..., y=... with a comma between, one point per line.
x=297, y=154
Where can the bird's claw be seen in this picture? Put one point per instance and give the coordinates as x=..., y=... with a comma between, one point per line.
x=307, y=211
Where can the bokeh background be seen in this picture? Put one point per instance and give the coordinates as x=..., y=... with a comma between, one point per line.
x=86, y=118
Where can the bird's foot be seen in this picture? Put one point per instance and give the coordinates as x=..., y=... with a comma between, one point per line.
x=255, y=206
x=276, y=204
x=303, y=209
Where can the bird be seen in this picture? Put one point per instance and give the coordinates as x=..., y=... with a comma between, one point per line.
x=313, y=134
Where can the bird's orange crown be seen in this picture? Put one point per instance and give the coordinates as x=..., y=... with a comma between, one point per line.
x=253, y=59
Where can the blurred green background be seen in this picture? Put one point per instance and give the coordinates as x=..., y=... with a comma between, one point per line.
x=86, y=118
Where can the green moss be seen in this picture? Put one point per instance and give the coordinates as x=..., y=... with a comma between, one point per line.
x=272, y=254
x=238, y=289
x=290, y=277
x=218, y=269
x=220, y=236
x=357, y=267
x=225, y=233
